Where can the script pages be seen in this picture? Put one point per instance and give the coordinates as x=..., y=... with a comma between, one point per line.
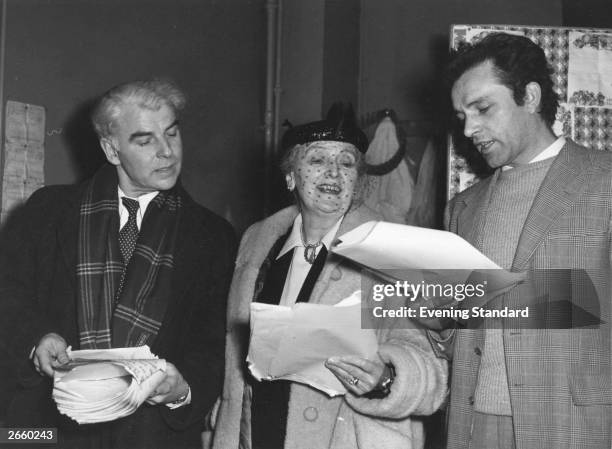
x=396, y=251
x=292, y=343
x=101, y=385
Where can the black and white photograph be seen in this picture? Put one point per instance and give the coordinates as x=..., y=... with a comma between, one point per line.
x=306, y=224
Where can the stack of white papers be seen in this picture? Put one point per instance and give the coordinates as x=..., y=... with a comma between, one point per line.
x=101, y=385
x=292, y=343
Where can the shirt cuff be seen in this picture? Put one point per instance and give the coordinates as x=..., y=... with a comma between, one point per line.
x=180, y=402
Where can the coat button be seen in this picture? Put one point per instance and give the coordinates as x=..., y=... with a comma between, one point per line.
x=477, y=351
x=335, y=275
x=311, y=414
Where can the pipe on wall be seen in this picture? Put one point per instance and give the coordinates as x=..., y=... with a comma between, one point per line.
x=272, y=16
x=2, y=55
x=277, y=85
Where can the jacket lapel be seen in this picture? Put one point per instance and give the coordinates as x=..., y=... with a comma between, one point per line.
x=68, y=237
x=254, y=249
x=191, y=243
x=564, y=181
x=471, y=216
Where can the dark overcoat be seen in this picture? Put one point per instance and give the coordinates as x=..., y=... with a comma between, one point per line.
x=38, y=295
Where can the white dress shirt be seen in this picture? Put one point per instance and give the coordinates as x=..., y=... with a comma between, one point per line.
x=551, y=151
x=299, y=268
x=143, y=202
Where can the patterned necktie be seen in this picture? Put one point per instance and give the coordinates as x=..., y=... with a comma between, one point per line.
x=129, y=233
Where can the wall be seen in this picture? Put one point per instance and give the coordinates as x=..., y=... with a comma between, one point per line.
x=320, y=62
x=587, y=13
x=404, y=43
x=63, y=53
x=341, y=52
x=403, y=48
x=302, y=60
x=320, y=56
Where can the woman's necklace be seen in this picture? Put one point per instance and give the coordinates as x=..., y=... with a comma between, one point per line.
x=310, y=249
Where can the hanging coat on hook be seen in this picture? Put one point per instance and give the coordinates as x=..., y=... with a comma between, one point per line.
x=391, y=193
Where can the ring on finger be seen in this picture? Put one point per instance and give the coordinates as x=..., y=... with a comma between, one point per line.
x=353, y=381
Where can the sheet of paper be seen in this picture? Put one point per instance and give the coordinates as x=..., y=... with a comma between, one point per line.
x=410, y=253
x=292, y=343
x=381, y=246
x=137, y=352
x=23, y=154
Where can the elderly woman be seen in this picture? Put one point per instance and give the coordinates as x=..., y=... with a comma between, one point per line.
x=285, y=259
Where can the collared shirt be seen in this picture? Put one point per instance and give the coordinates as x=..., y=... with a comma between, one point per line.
x=299, y=268
x=551, y=151
x=143, y=201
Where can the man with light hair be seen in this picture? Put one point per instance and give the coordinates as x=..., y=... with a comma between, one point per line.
x=125, y=259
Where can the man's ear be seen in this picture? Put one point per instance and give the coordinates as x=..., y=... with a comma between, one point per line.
x=110, y=150
x=533, y=97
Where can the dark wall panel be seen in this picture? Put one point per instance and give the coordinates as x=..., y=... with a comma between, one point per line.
x=341, y=52
x=587, y=13
x=63, y=53
x=404, y=44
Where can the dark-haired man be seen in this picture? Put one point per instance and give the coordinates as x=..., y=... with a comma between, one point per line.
x=124, y=259
x=546, y=207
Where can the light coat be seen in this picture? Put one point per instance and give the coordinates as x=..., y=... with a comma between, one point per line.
x=314, y=420
x=559, y=379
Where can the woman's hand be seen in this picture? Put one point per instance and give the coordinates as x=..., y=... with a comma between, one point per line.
x=358, y=375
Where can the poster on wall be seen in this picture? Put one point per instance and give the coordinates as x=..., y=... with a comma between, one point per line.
x=24, y=154
x=581, y=61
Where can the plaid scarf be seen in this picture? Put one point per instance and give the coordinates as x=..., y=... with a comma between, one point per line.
x=136, y=317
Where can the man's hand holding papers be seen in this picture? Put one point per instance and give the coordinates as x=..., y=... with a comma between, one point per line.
x=171, y=389
x=50, y=352
x=106, y=384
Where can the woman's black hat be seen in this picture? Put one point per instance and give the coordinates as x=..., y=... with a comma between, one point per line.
x=340, y=125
